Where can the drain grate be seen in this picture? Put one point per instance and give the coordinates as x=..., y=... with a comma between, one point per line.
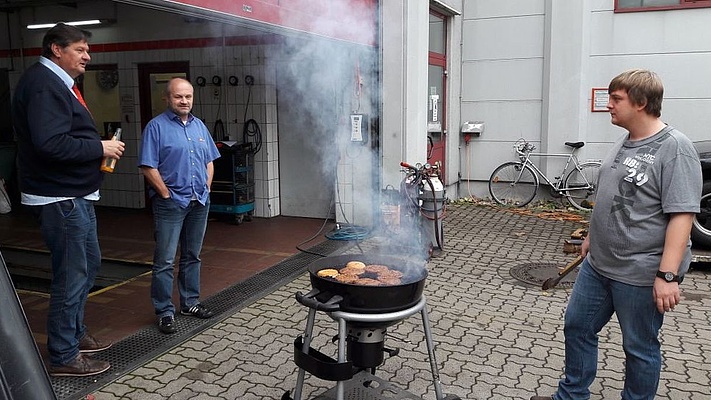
x=535, y=273
x=149, y=343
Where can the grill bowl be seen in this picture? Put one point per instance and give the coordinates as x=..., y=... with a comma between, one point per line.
x=371, y=299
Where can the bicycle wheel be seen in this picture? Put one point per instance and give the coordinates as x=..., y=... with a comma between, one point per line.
x=513, y=184
x=581, y=185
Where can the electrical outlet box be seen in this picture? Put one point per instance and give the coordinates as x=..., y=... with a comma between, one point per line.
x=359, y=128
x=475, y=128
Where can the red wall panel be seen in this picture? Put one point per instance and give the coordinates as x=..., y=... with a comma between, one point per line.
x=351, y=20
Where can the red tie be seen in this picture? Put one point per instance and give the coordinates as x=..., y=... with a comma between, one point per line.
x=79, y=96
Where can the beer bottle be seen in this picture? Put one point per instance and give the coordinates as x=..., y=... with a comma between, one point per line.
x=108, y=164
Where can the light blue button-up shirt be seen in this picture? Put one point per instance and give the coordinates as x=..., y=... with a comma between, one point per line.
x=180, y=152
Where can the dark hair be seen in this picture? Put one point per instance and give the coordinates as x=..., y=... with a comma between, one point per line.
x=62, y=35
x=642, y=87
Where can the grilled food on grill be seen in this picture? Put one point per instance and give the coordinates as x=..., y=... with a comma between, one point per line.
x=391, y=273
x=368, y=282
x=328, y=272
x=376, y=269
x=357, y=273
x=346, y=278
x=389, y=281
x=351, y=271
x=356, y=264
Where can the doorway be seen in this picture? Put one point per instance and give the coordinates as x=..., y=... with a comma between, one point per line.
x=436, y=91
x=152, y=78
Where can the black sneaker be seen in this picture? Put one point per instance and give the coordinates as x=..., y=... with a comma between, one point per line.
x=167, y=324
x=198, y=310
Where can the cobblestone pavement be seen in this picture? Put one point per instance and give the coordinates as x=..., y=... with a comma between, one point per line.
x=496, y=337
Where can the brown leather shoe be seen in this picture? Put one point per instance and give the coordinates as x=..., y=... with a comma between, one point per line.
x=90, y=344
x=80, y=366
x=541, y=398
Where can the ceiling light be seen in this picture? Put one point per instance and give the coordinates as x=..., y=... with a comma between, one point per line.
x=74, y=23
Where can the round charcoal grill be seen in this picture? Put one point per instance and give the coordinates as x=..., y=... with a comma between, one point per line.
x=350, y=297
x=363, y=314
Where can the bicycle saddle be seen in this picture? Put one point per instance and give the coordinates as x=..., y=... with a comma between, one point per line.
x=575, y=145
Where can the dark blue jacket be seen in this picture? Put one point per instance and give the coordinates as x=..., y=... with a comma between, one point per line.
x=59, y=147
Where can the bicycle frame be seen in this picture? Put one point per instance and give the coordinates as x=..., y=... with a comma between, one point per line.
x=526, y=160
x=516, y=182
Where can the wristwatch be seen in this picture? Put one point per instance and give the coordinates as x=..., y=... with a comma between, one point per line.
x=668, y=276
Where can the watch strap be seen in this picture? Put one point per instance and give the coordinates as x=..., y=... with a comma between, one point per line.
x=668, y=276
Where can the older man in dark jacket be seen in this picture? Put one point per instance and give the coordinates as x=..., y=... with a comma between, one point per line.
x=59, y=155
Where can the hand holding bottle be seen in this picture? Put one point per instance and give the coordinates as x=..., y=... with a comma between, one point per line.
x=113, y=150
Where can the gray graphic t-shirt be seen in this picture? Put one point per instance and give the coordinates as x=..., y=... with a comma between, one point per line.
x=640, y=184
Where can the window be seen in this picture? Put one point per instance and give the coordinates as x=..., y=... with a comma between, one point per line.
x=654, y=5
x=438, y=33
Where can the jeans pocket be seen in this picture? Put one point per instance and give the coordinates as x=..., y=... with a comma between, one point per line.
x=66, y=207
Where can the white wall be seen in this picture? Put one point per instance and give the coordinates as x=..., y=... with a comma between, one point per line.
x=676, y=44
x=501, y=80
x=404, y=72
x=528, y=68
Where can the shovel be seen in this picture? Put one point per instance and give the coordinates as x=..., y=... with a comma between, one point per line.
x=552, y=282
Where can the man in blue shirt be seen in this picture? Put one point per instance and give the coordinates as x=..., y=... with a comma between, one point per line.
x=177, y=154
x=59, y=156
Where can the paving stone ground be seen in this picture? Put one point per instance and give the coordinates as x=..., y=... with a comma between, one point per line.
x=496, y=337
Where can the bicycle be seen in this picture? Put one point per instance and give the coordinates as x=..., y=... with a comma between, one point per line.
x=515, y=183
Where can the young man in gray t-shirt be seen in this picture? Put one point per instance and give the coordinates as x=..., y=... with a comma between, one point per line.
x=638, y=249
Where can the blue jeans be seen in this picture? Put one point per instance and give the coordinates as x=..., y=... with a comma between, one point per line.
x=175, y=225
x=593, y=301
x=69, y=230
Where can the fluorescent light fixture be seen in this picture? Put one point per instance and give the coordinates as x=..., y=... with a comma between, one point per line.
x=75, y=23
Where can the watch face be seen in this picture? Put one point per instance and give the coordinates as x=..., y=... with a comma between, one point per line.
x=669, y=277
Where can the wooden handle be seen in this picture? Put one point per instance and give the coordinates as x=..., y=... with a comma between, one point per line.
x=579, y=259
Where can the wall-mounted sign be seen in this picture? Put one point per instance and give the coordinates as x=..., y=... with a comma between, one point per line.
x=600, y=96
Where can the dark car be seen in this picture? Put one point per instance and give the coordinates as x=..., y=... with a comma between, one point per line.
x=701, y=230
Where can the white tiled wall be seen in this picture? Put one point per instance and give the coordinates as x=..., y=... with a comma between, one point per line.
x=125, y=187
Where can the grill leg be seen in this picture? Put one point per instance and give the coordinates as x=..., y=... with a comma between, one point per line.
x=340, y=386
x=430, y=350
x=307, y=343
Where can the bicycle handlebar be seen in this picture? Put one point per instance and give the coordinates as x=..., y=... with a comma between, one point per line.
x=522, y=146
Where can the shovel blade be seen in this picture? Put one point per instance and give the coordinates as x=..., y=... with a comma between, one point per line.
x=550, y=283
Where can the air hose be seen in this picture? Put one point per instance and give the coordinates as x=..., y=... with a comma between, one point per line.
x=251, y=130
x=348, y=232
x=434, y=212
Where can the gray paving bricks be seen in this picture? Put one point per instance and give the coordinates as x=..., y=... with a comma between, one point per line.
x=496, y=337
